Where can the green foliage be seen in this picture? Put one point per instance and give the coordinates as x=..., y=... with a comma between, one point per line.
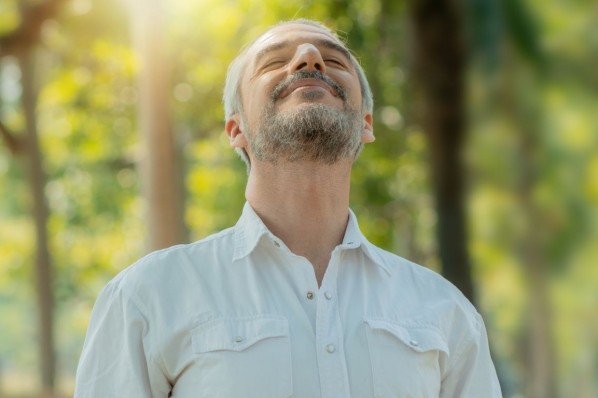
x=9, y=16
x=484, y=26
x=522, y=28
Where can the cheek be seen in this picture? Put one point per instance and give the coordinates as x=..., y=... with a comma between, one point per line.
x=258, y=95
x=355, y=99
x=267, y=83
x=352, y=87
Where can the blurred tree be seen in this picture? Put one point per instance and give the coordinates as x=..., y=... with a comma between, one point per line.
x=523, y=70
x=21, y=43
x=37, y=179
x=160, y=176
x=538, y=163
x=539, y=347
x=440, y=65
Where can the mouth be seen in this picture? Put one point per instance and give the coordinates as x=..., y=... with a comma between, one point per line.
x=305, y=80
x=309, y=83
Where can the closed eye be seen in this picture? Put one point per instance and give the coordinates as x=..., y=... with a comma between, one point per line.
x=334, y=61
x=273, y=64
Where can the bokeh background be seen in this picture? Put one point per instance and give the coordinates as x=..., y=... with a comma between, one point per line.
x=485, y=166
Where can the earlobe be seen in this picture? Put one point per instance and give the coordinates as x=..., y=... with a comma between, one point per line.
x=236, y=137
x=367, y=134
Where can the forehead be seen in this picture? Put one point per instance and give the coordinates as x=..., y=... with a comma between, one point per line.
x=292, y=35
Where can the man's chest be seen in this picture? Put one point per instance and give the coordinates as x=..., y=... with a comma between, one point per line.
x=293, y=339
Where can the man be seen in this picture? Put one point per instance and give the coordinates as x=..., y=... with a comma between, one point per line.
x=293, y=301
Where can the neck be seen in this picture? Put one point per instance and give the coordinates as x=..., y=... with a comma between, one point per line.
x=306, y=205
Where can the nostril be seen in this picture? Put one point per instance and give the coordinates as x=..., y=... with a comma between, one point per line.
x=301, y=65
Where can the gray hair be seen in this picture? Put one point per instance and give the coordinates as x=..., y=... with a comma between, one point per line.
x=232, y=87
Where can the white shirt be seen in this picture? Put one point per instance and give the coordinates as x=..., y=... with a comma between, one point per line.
x=239, y=315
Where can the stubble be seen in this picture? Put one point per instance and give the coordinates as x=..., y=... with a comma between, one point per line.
x=312, y=131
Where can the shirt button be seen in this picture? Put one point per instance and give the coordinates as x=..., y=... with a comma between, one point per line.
x=310, y=295
x=276, y=244
x=330, y=348
x=414, y=343
x=238, y=339
x=328, y=295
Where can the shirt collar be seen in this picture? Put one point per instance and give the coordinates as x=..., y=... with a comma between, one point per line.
x=248, y=232
x=250, y=229
x=354, y=238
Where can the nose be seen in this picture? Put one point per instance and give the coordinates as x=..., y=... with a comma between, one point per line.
x=308, y=58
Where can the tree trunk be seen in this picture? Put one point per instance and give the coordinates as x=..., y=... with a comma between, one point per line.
x=440, y=61
x=37, y=182
x=540, y=358
x=158, y=164
x=518, y=96
x=539, y=349
x=21, y=43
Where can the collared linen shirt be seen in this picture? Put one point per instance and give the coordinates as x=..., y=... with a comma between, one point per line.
x=239, y=315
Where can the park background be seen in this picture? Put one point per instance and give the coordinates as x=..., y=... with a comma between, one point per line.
x=485, y=166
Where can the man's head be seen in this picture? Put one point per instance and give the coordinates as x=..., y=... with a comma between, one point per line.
x=297, y=93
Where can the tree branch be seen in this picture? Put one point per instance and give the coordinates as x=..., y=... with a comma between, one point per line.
x=28, y=32
x=13, y=142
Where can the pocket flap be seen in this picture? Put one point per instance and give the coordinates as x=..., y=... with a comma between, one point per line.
x=418, y=338
x=237, y=334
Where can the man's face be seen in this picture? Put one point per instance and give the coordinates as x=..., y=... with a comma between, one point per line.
x=301, y=98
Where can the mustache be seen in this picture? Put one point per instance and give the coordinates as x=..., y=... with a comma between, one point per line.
x=280, y=87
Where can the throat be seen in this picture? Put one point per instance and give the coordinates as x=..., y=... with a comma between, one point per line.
x=320, y=267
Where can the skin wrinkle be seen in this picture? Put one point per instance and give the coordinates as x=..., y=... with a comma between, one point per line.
x=322, y=42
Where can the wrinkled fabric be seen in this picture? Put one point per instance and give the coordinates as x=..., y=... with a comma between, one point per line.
x=239, y=315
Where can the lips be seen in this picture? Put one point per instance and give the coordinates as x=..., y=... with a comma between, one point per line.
x=308, y=79
x=308, y=82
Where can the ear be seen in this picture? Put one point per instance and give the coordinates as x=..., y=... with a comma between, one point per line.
x=367, y=134
x=236, y=137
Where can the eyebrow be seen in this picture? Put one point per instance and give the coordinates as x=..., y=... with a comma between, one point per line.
x=321, y=42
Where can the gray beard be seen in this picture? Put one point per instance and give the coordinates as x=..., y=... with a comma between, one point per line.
x=312, y=132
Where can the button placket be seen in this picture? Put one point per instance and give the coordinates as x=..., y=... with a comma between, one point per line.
x=334, y=380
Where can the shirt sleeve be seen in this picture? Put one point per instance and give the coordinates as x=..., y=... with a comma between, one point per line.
x=114, y=361
x=471, y=373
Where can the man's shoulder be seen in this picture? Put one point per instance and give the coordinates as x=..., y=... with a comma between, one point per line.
x=423, y=297
x=399, y=266
x=424, y=284
x=170, y=263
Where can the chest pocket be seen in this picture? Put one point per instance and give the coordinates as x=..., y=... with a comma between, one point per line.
x=243, y=357
x=406, y=360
